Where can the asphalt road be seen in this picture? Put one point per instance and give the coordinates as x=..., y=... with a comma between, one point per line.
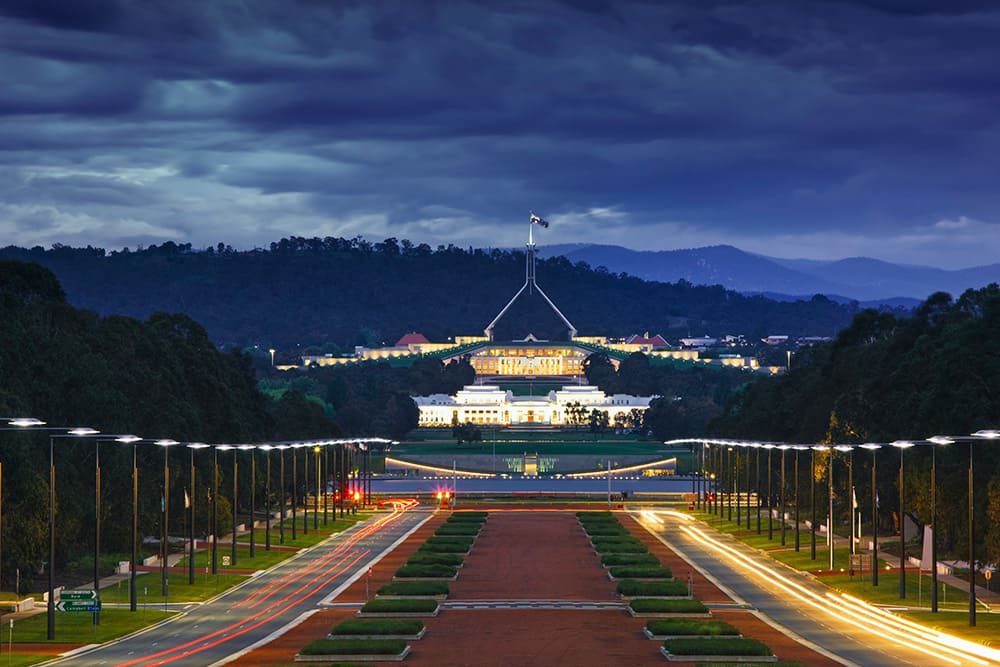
x=236, y=620
x=848, y=631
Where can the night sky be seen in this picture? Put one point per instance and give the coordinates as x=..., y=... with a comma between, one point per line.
x=794, y=129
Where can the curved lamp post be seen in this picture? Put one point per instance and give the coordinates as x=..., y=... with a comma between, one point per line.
x=770, y=501
x=902, y=445
x=166, y=443
x=193, y=446
x=849, y=450
x=874, y=447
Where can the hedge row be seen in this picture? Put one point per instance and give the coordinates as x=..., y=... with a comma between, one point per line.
x=717, y=646
x=378, y=626
x=671, y=587
x=662, y=606
x=415, y=587
x=430, y=570
x=413, y=605
x=428, y=558
x=354, y=647
x=613, y=559
x=685, y=626
x=641, y=572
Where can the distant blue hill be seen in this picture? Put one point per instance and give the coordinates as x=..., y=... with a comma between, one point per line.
x=857, y=278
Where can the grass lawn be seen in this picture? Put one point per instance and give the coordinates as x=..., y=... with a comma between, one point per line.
x=987, y=630
x=79, y=628
x=302, y=540
x=25, y=659
x=261, y=561
x=149, y=587
x=918, y=593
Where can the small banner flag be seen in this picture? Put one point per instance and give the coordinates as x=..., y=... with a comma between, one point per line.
x=538, y=221
x=854, y=499
x=187, y=500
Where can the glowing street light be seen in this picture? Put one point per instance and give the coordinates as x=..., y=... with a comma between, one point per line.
x=874, y=447
x=191, y=500
x=166, y=443
x=902, y=445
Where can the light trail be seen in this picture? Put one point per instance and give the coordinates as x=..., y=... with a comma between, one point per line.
x=846, y=608
x=293, y=598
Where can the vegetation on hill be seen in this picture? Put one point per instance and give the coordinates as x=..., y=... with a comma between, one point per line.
x=886, y=378
x=335, y=293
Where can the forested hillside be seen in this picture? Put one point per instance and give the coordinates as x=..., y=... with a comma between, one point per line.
x=338, y=293
x=885, y=379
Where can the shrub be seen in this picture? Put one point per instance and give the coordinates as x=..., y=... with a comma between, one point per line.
x=354, y=646
x=429, y=570
x=468, y=514
x=655, y=605
x=465, y=540
x=463, y=529
x=463, y=519
x=413, y=605
x=427, y=558
x=415, y=587
x=591, y=515
x=378, y=626
x=443, y=548
x=683, y=626
x=606, y=531
x=641, y=572
x=716, y=646
x=619, y=547
x=611, y=560
x=631, y=588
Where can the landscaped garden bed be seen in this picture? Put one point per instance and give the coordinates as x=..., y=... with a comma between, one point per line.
x=614, y=560
x=457, y=529
x=378, y=628
x=428, y=558
x=401, y=608
x=429, y=571
x=619, y=546
x=325, y=650
x=435, y=589
x=662, y=607
x=729, y=649
x=639, y=572
x=449, y=548
x=632, y=588
x=670, y=628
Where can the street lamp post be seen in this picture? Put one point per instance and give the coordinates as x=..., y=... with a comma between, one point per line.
x=253, y=497
x=812, y=503
x=215, y=515
x=326, y=482
x=267, y=497
x=305, y=495
x=736, y=486
x=281, y=502
x=936, y=440
x=295, y=491
x=770, y=502
x=796, y=498
x=902, y=445
x=784, y=523
x=166, y=443
x=757, y=485
x=191, y=500
x=873, y=447
x=318, y=489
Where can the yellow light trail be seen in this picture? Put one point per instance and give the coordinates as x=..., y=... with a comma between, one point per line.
x=850, y=610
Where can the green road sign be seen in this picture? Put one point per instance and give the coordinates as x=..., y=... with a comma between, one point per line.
x=78, y=605
x=79, y=595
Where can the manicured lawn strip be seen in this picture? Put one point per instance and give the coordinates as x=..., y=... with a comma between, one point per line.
x=613, y=560
x=461, y=519
x=354, y=647
x=399, y=606
x=717, y=646
x=80, y=629
x=590, y=516
x=654, y=605
x=427, y=558
x=468, y=514
x=414, y=588
x=987, y=630
x=148, y=587
x=262, y=559
x=887, y=592
x=607, y=532
x=598, y=542
x=456, y=530
x=684, y=626
x=617, y=547
x=443, y=548
x=430, y=570
x=633, y=588
x=641, y=572
x=378, y=626
x=463, y=540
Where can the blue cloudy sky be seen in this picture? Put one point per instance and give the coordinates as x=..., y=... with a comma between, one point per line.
x=793, y=128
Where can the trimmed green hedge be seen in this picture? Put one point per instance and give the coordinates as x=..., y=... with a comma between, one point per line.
x=468, y=514
x=590, y=515
x=641, y=572
x=619, y=547
x=378, y=626
x=606, y=531
x=464, y=540
x=427, y=558
x=684, y=626
x=354, y=646
x=654, y=605
x=612, y=560
x=455, y=519
x=413, y=605
x=717, y=646
x=427, y=547
x=463, y=529
x=415, y=587
x=632, y=588
x=429, y=570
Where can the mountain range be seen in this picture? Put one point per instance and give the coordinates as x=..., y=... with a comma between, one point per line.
x=860, y=279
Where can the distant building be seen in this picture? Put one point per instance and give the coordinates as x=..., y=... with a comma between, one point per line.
x=775, y=340
x=645, y=340
x=490, y=405
x=700, y=342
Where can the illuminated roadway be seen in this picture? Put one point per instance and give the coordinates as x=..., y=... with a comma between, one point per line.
x=244, y=616
x=852, y=631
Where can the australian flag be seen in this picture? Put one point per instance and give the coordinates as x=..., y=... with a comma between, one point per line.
x=538, y=221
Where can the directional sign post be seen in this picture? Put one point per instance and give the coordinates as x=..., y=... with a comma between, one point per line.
x=79, y=601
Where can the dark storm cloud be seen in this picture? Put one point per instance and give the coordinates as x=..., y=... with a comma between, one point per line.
x=822, y=126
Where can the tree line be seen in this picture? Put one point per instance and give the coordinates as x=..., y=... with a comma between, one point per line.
x=295, y=294
x=887, y=378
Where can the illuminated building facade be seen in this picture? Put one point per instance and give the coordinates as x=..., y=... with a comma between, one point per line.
x=492, y=406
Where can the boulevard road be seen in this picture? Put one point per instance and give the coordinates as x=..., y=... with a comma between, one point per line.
x=264, y=604
x=850, y=630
